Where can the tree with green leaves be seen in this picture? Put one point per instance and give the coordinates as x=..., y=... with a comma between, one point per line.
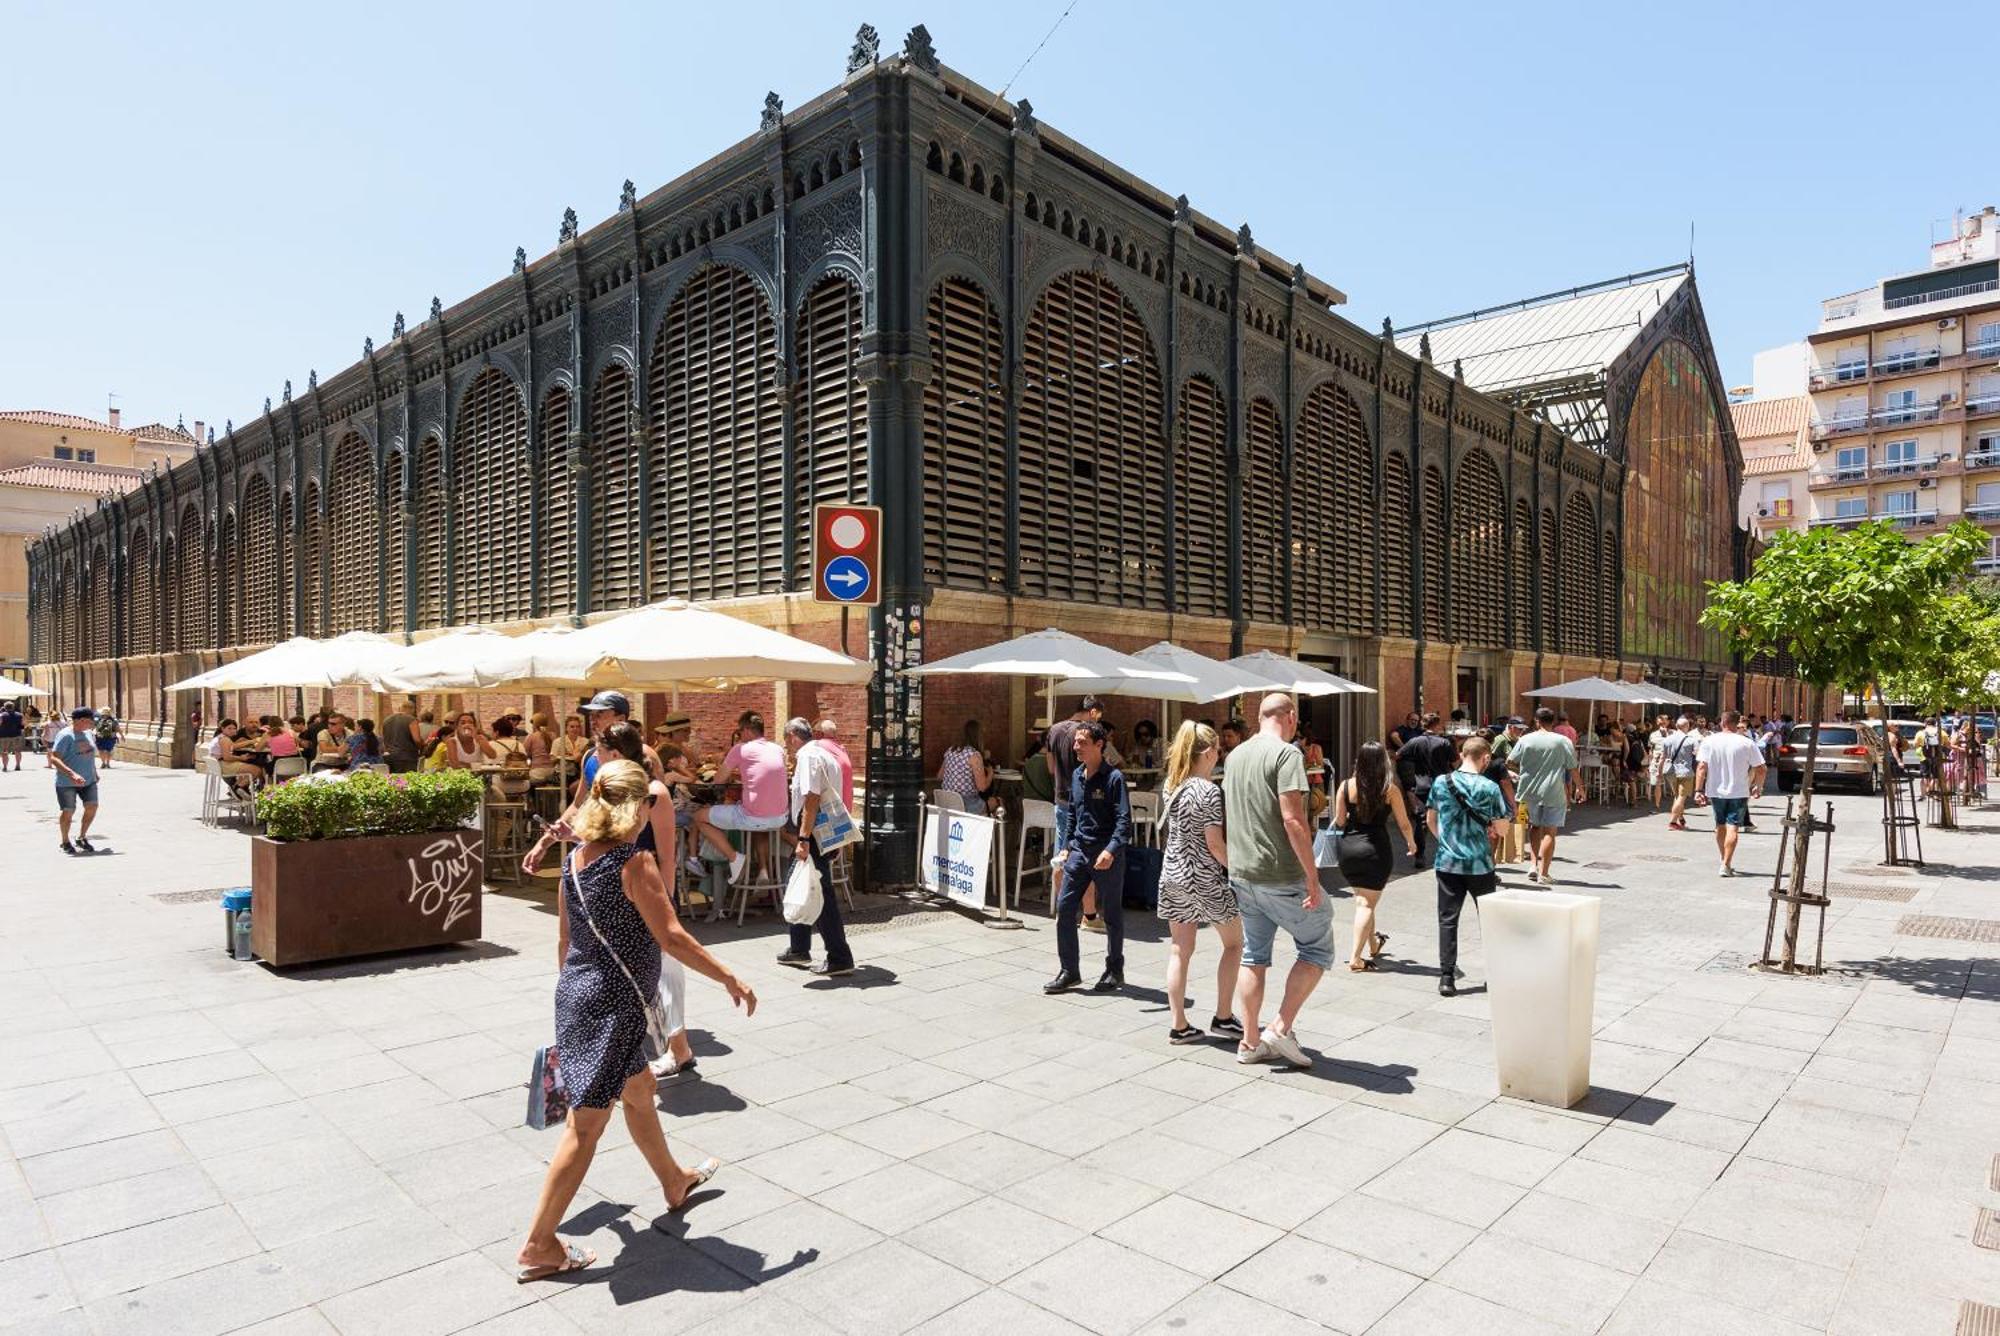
x=1841, y=603
x=1944, y=661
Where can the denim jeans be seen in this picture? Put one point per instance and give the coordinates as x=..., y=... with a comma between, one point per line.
x=1453, y=887
x=828, y=925
x=1266, y=909
x=1077, y=876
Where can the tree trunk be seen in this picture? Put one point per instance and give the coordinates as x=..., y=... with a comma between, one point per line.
x=1801, y=850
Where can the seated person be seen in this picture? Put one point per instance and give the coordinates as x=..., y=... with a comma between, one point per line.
x=330, y=749
x=759, y=764
x=227, y=748
x=364, y=745
x=511, y=752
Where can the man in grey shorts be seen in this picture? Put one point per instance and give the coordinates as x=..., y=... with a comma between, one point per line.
x=1271, y=870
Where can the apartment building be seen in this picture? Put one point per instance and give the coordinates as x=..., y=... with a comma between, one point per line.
x=1776, y=436
x=1904, y=378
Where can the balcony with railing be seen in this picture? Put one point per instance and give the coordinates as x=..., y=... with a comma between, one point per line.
x=1902, y=415
x=1987, y=566
x=1982, y=459
x=1982, y=405
x=1983, y=348
x=1983, y=512
x=1838, y=521
x=1845, y=425
x=1915, y=359
x=1908, y=466
x=1841, y=373
x=1837, y=475
x=1908, y=519
x=1940, y=295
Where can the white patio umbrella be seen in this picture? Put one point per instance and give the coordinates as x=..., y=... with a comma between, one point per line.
x=675, y=645
x=1053, y=656
x=11, y=689
x=473, y=658
x=1207, y=679
x=1594, y=689
x=353, y=659
x=1301, y=679
x=1652, y=693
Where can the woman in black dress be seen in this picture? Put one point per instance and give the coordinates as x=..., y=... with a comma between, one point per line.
x=1362, y=807
x=614, y=920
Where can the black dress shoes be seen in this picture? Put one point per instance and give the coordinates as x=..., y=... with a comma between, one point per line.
x=1109, y=982
x=1062, y=983
x=1447, y=986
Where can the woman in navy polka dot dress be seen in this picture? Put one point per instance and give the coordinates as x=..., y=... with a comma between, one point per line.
x=600, y=1011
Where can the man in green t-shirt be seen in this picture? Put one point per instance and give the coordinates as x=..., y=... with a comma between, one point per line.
x=1548, y=783
x=1271, y=870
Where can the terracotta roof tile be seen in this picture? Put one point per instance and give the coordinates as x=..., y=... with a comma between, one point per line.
x=67, y=476
x=1771, y=417
x=43, y=418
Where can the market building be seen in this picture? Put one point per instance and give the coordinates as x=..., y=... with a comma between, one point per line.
x=1080, y=400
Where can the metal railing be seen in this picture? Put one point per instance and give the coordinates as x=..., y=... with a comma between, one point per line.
x=1839, y=521
x=1982, y=459
x=1910, y=361
x=1983, y=513
x=1908, y=519
x=1894, y=468
x=1828, y=477
x=1840, y=426
x=1897, y=415
x=1987, y=565
x=1842, y=373
x=1941, y=295
x=1983, y=404
x=1983, y=348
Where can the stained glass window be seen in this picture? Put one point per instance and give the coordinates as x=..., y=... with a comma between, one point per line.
x=1679, y=510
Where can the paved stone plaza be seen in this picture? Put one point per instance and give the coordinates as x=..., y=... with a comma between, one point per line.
x=197, y=1145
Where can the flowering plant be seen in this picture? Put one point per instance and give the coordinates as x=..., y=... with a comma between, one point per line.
x=367, y=803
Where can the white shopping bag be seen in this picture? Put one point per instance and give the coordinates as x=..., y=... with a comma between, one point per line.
x=803, y=897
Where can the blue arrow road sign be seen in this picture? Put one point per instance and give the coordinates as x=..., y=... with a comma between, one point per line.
x=847, y=579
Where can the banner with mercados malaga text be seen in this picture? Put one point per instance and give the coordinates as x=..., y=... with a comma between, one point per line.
x=957, y=852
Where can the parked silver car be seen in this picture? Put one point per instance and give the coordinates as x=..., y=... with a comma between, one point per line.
x=1847, y=753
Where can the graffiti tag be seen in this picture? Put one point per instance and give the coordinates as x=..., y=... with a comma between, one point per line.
x=445, y=877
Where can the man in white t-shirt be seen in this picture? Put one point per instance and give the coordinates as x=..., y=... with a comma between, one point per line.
x=815, y=780
x=1729, y=773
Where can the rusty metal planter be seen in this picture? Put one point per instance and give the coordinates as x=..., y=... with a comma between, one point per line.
x=330, y=899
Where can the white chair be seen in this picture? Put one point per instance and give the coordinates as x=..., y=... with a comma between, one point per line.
x=1036, y=815
x=220, y=796
x=842, y=864
x=948, y=799
x=287, y=767
x=1145, y=817
x=773, y=876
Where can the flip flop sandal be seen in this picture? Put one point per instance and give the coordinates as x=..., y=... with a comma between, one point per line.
x=1362, y=967
x=702, y=1174
x=1381, y=940
x=574, y=1259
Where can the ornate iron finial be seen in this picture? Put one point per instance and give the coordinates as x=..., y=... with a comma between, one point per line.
x=288, y=391
x=312, y=381
x=437, y=309
x=368, y=346
x=1299, y=275
x=1424, y=346
x=520, y=258
x=396, y=330
x=1182, y=212
x=1388, y=330
x=774, y=113
x=567, y=232
x=211, y=436
x=267, y=405
x=628, y=198
x=867, y=49
x=1245, y=244
x=181, y=423
x=1024, y=118
x=1458, y=369
x=228, y=427
x=918, y=50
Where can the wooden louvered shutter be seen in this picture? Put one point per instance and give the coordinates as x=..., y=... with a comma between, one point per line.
x=228, y=573
x=66, y=634
x=356, y=528
x=431, y=502
x=142, y=587
x=1093, y=524
x=1478, y=556
x=1607, y=595
x=288, y=621
x=1396, y=611
x=1333, y=517
x=312, y=553
x=395, y=539
x=192, y=623
x=97, y=637
x=965, y=474
x=614, y=493
x=258, y=536
x=1519, y=578
x=1201, y=500
x=1577, y=601
x=832, y=432
x=556, y=485
x=1434, y=550
x=1264, y=482
x=490, y=456
x=719, y=463
x=1552, y=580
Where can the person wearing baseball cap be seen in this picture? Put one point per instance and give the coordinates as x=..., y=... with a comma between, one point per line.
x=74, y=758
x=602, y=710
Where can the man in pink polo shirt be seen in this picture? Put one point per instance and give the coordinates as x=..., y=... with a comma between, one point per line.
x=828, y=734
x=759, y=764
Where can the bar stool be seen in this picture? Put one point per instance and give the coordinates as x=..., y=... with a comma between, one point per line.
x=843, y=874
x=1036, y=815
x=773, y=878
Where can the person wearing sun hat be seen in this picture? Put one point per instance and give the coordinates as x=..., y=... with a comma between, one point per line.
x=603, y=710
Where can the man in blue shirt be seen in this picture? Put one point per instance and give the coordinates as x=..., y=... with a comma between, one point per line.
x=1100, y=827
x=1464, y=805
x=74, y=757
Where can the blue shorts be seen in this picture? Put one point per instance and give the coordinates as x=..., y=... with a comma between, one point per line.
x=67, y=794
x=104, y=745
x=1731, y=811
x=1550, y=815
x=1265, y=909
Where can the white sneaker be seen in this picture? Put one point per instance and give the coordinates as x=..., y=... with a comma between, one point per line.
x=695, y=868
x=1261, y=1053
x=737, y=862
x=1286, y=1047
x=1534, y=877
x=1724, y=870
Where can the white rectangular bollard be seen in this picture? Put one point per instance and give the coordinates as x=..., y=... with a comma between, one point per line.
x=1541, y=971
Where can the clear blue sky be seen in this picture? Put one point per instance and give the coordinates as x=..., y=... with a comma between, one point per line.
x=203, y=200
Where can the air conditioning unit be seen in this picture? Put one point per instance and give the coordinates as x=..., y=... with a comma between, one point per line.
x=1927, y=482
x=1945, y=398
x=1819, y=447
x=1949, y=322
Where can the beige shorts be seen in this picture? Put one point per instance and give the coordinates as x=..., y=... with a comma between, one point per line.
x=10, y=746
x=1683, y=785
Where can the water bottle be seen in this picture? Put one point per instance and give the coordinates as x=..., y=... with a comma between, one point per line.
x=240, y=936
x=233, y=902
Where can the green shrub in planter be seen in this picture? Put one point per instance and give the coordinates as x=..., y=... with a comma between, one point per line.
x=367, y=803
